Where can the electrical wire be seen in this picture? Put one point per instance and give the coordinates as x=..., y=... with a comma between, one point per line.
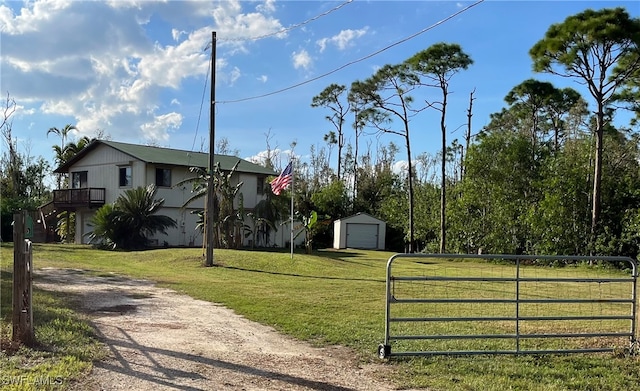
x=204, y=90
x=282, y=31
x=287, y=29
x=358, y=60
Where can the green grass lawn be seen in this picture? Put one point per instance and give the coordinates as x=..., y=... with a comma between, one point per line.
x=65, y=343
x=331, y=297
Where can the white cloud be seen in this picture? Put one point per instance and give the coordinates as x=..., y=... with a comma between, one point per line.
x=176, y=34
x=301, y=59
x=224, y=76
x=400, y=167
x=234, y=75
x=343, y=40
x=97, y=63
x=279, y=157
x=31, y=17
x=263, y=78
x=21, y=111
x=124, y=4
x=167, y=66
x=58, y=107
x=268, y=6
x=260, y=157
x=158, y=130
x=232, y=24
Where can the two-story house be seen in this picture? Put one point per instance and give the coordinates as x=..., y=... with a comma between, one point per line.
x=103, y=170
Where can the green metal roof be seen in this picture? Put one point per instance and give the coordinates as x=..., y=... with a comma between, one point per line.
x=172, y=157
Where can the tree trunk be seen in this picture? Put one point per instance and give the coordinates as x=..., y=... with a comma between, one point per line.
x=597, y=176
x=410, y=175
x=355, y=163
x=467, y=138
x=443, y=182
x=340, y=143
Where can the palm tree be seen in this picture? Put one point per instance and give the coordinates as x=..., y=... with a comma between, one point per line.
x=68, y=151
x=228, y=221
x=106, y=227
x=131, y=219
x=63, y=134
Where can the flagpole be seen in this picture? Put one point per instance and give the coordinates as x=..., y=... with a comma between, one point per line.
x=292, y=181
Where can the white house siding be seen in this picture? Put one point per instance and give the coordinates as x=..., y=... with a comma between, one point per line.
x=184, y=234
x=177, y=196
x=249, y=184
x=103, y=165
x=174, y=196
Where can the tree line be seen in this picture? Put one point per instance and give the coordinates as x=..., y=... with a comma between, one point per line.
x=549, y=174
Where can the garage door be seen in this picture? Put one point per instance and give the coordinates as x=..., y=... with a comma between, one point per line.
x=362, y=235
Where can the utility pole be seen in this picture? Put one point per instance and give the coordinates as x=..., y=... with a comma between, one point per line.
x=210, y=185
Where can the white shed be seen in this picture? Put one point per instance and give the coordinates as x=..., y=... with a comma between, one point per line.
x=359, y=231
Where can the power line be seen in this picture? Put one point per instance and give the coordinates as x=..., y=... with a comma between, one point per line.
x=282, y=31
x=287, y=29
x=358, y=60
x=204, y=90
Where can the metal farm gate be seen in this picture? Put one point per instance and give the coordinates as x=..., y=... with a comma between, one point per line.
x=458, y=304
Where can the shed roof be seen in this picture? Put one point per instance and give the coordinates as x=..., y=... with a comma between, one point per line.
x=168, y=156
x=360, y=214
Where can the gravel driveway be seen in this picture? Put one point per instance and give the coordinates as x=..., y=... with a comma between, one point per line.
x=159, y=339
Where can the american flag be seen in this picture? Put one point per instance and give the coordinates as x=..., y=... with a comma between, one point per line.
x=283, y=180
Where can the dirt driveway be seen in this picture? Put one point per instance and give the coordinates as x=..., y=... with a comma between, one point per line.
x=161, y=340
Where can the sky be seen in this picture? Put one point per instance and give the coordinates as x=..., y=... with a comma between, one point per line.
x=138, y=71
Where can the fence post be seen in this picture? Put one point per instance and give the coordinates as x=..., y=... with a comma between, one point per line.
x=22, y=315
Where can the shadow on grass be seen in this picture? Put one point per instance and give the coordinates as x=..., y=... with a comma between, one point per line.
x=304, y=275
x=327, y=252
x=335, y=254
x=342, y=255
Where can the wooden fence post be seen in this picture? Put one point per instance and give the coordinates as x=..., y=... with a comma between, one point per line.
x=22, y=318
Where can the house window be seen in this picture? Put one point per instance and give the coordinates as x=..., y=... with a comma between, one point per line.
x=79, y=180
x=260, y=185
x=163, y=177
x=125, y=176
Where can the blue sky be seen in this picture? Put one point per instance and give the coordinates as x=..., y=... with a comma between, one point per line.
x=138, y=70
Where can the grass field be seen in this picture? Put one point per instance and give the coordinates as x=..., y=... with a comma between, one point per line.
x=331, y=297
